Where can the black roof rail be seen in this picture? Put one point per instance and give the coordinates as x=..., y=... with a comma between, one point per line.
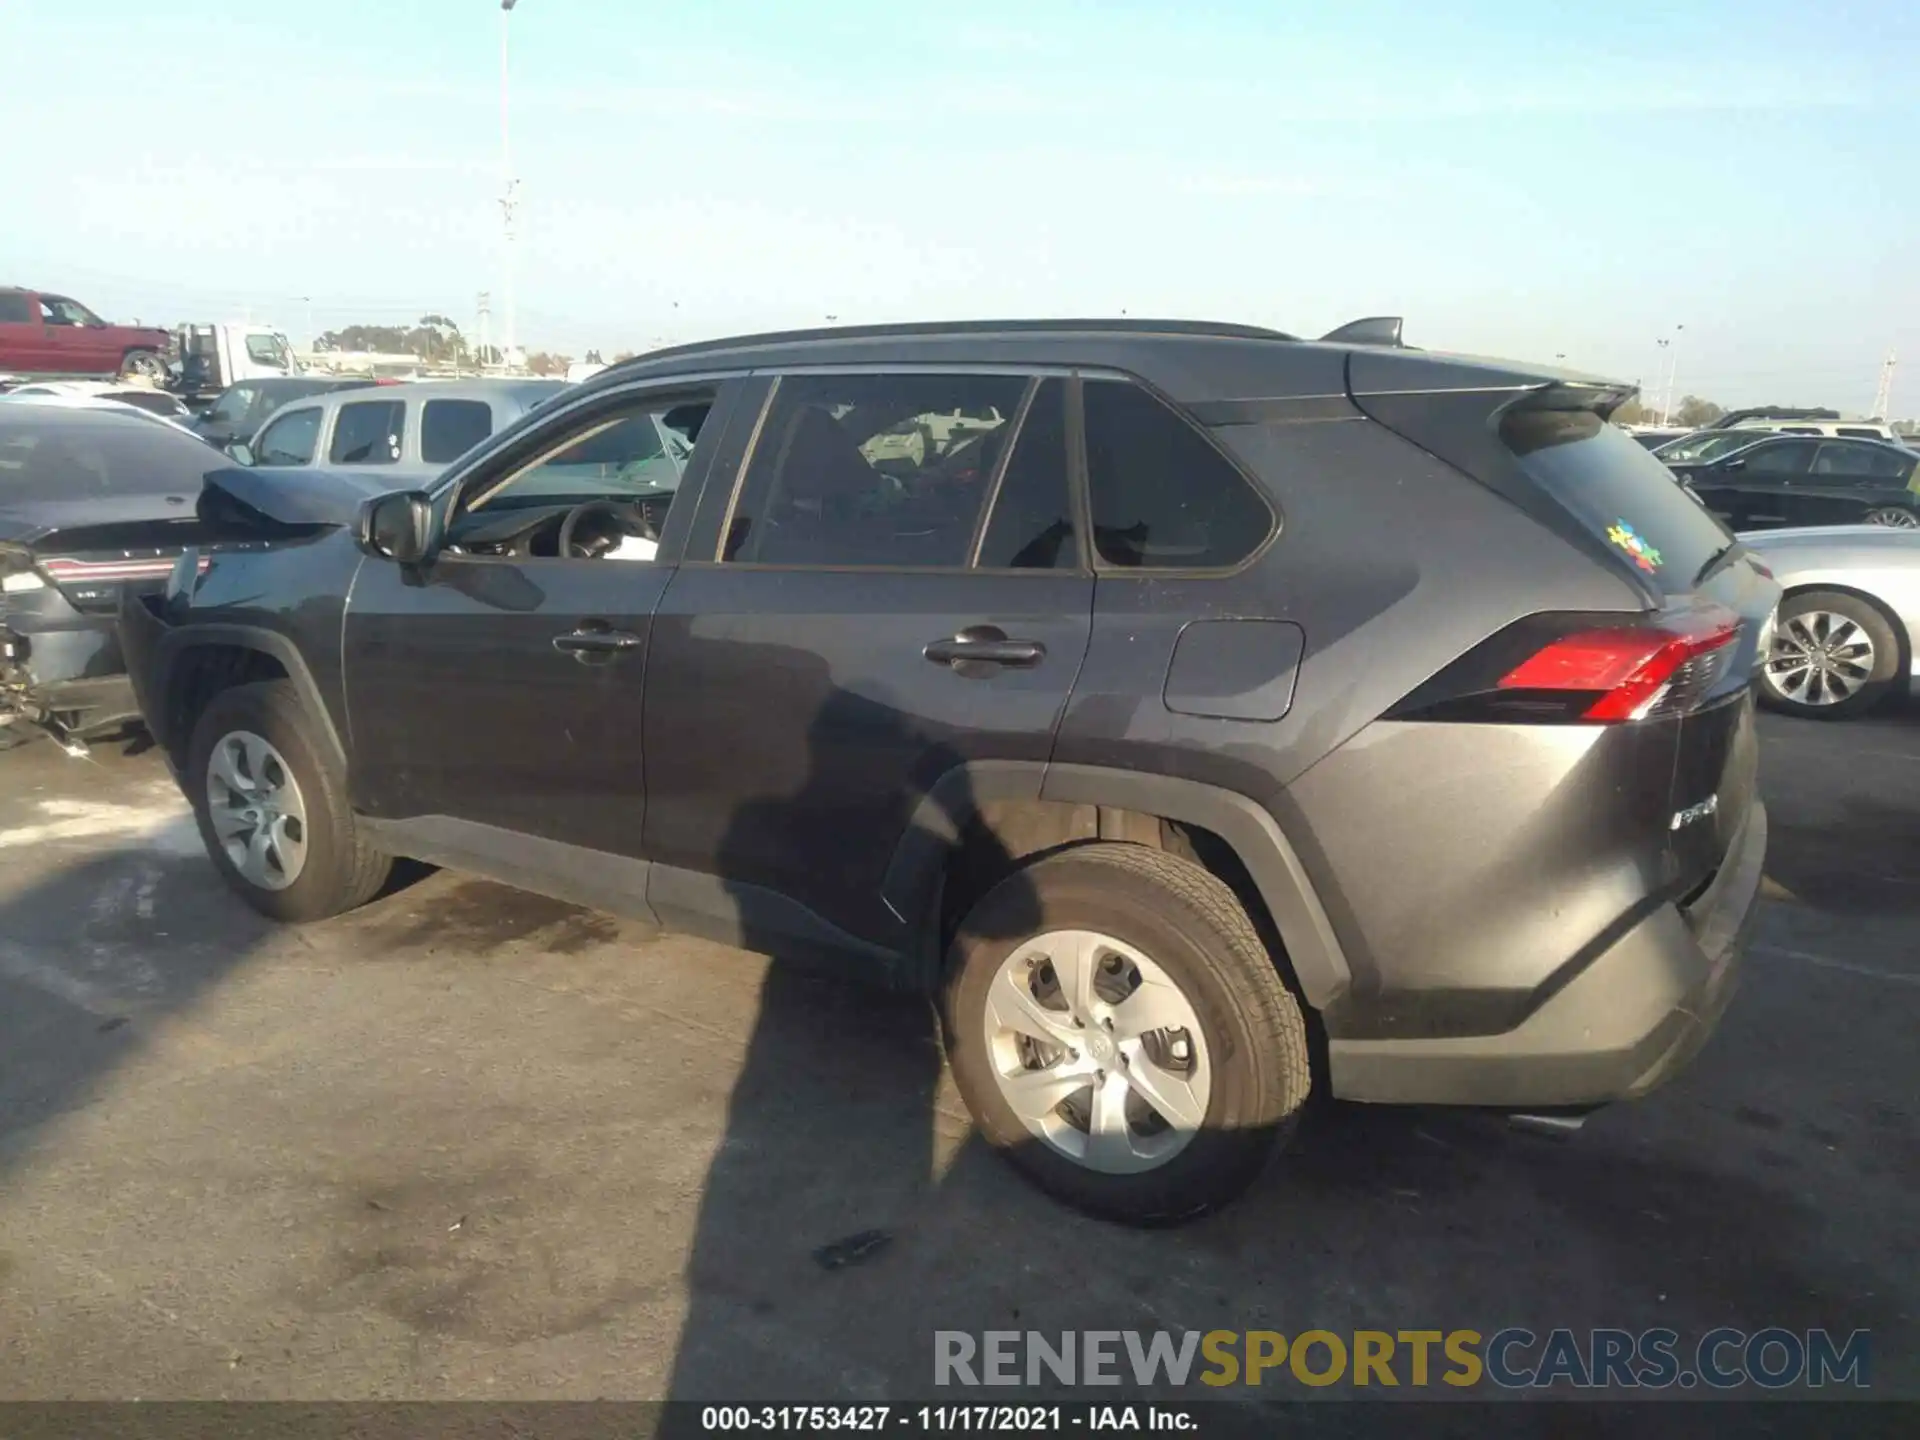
x=838, y=333
x=1374, y=330
x=1770, y=412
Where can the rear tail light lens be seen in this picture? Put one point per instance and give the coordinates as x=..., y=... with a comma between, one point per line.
x=1555, y=670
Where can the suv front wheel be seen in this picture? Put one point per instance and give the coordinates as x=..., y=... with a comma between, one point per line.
x=273, y=814
x=1118, y=1029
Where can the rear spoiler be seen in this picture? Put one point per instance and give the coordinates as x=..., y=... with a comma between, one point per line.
x=1381, y=330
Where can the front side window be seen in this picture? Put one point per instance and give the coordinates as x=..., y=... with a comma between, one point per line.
x=368, y=432
x=61, y=311
x=1789, y=457
x=1162, y=496
x=289, y=439
x=269, y=350
x=887, y=470
x=450, y=428
x=634, y=454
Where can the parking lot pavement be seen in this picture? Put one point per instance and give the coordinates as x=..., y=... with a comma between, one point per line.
x=470, y=1142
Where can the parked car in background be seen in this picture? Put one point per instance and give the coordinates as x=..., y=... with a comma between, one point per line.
x=46, y=336
x=140, y=397
x=240, y=410
x=1783, y=480
x=95, y=497
x=405, y=432
x=1065, y=671
x=1849, y=616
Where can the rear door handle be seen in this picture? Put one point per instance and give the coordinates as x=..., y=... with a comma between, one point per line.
x=591, y=643
x=980, y=649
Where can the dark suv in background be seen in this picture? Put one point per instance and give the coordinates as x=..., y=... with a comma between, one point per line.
x=1171, y=700
x=1796, y=480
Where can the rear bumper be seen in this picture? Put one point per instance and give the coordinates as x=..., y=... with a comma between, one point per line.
x=1626, y=1023
x=57, y=662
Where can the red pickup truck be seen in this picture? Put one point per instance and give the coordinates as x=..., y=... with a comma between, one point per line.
x=49, y=336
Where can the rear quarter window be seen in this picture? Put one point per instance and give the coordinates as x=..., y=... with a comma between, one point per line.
x=1618, y=491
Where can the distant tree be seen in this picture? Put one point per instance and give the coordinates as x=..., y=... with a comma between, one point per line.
x=1633, y=412
x=624, y=355
x=543, y=362
x=1693, y=412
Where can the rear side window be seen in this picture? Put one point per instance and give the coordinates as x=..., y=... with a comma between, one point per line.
x=289, y=439
x=882, y=470
x=15, y=309
x=450, y=428
x=1618, y=491
x=1162, y=496
x=368, y=432
x=1031, y=527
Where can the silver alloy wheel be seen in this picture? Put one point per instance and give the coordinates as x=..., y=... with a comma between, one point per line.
x=1893, y=515
x=1098, y=1051
x=258, y=813
x=147, y=365
x=1819, y=658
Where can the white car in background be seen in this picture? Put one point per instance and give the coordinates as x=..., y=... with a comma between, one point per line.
x=1844, y=637
x=141, y=397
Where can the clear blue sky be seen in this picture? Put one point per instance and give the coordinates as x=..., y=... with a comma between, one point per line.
x=1513, y=176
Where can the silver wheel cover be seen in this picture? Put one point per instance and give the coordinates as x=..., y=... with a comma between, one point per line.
x=1819, y=658
x=1098, y=1051
x=258, y=814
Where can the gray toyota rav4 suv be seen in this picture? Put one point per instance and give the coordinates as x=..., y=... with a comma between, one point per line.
x=1200, y=714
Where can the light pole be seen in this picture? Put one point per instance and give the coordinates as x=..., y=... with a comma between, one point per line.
x=1671, y=345
x=508, y=201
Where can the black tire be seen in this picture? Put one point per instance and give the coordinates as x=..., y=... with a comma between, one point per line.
x=1197, y=931
x=143, y=365
x=1888, y=656
x=341, y=870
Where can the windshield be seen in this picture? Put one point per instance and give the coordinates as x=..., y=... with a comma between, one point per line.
x=271, y=350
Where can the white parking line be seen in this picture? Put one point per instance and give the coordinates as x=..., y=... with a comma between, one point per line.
x=1824, y=963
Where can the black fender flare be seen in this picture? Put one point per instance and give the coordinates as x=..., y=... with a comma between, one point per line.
x=1314, y=949
x=247, y=637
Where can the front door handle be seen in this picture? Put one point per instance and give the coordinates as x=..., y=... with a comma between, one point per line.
x=981, y=649
x=595, y=642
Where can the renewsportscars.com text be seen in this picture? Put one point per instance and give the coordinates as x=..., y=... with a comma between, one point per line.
x=1512, y=1358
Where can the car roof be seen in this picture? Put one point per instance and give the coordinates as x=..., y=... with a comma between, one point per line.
x=1191, y=360
x=480, y=388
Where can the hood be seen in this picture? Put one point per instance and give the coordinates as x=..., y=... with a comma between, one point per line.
x=300, y=497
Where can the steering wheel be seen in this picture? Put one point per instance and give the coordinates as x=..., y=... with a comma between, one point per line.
x=627, y=520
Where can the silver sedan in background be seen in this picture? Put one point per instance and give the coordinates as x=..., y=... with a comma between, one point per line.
x=1843, y=640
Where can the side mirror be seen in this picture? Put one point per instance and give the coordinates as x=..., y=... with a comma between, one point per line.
x=239, y=451
x=397, y=527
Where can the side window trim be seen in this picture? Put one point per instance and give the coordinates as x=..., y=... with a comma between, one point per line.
x=984, y=519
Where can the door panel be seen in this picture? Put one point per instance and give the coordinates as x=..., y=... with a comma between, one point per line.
x=794, y=721
x=463, y=703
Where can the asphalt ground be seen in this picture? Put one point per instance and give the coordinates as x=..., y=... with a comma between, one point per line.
x=470, y=1142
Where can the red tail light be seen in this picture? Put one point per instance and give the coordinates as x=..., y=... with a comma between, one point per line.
x=1557, y=670
x=1633, y=673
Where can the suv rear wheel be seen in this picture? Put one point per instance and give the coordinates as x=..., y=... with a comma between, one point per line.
x=143, y=365
x=273, y=814
x=1117, y=1028
x=1833, y=656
